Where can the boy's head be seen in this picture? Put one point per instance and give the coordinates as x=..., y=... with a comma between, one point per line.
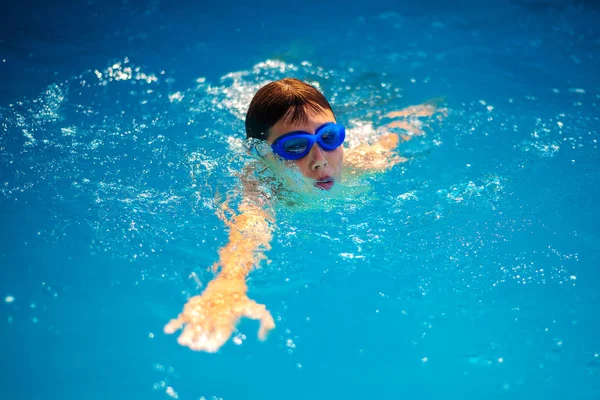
x=290, y=105
x=286, y=100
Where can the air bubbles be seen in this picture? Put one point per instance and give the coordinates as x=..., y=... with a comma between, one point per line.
x=490, y=188
x=239, y=338
x=171, y=392
x=159, y=385
x=557, y=345
x=9, y=299
x=176, y=97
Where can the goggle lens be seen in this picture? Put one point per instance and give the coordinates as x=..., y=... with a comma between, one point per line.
x=295, y=146
x=330, y=137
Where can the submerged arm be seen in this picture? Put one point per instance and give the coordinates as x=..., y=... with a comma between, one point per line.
x=378, y=156
x=382, y=154
x=412, y=120
x=211, y=317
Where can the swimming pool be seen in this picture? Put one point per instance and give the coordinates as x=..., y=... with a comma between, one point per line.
x=470, y=271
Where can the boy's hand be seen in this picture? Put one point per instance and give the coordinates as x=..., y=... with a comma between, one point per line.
x=414, y=119
x=211, y=317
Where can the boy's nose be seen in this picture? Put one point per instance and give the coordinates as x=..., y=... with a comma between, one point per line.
x=318, y=160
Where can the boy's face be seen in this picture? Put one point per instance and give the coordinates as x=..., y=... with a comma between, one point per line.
x=324, y=167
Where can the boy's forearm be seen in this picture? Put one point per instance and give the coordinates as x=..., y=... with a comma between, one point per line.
x=250, y=234
x=238, y=258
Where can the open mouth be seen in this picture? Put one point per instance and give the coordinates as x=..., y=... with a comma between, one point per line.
x=324, y=184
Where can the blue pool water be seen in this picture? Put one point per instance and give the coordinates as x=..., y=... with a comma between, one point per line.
x=470, y=271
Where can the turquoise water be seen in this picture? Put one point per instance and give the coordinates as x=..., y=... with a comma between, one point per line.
x=469, y=271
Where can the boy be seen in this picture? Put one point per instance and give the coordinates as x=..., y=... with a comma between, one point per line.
x=299, y=124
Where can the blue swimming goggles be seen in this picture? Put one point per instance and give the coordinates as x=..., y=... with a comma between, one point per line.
x=297, y=144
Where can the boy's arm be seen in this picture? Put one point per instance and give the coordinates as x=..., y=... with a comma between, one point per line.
x=211, y=317
x=382, y=154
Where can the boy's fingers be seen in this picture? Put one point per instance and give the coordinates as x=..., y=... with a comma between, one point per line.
x=173, y=325
x=266, y=325
x=260, y=312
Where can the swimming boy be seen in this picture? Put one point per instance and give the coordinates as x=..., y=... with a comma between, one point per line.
x=300, y=126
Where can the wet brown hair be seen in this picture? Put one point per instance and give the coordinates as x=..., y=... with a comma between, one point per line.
x=287, y=99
